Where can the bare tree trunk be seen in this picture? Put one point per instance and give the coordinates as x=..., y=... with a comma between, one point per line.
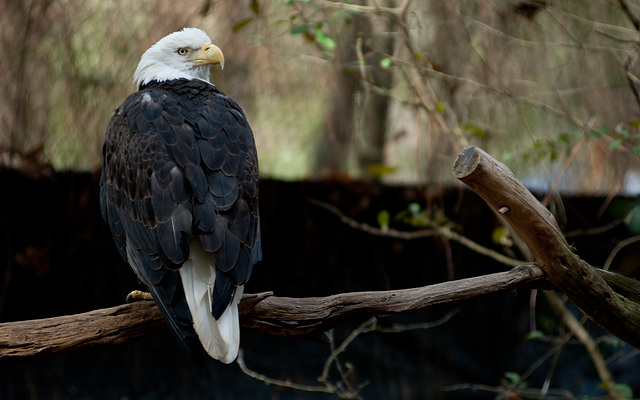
x=372, y=118
x=23, y=25
x=357, y=122
x=333, y=149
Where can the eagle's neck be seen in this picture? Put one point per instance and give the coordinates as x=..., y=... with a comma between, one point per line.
x=148, y=71
x=154, y=82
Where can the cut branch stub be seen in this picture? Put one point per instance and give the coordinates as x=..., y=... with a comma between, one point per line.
x=583, y=284
x=497, y=185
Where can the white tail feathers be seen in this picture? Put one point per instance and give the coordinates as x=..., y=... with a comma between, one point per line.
x=221, y=338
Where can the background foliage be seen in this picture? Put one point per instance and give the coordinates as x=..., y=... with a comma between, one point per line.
x=386, y=90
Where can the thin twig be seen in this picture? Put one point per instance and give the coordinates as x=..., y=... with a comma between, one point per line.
x=589, y=344
x=632, y=17
x=561, y=341
x=594, y=231
x=278, y=382
x=350, y=392
x=367, y=326
x=626, y=242
x=386, y=232
x=528, y=393
x=567, y=163
x=423, y=233
x=398, y=328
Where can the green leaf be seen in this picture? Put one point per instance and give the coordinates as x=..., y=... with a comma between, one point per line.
x=594, y=134
x=634, y=124
x=513, y=377
x=563, y=138
x=383, y=219
x=501, y=236
x=255, y=7
x=624, y=133
x=242, y=24
x=414, y=208
x=441, y=219
x=401, y=216
x=296, y=30
x=386, y=63
x=635, y=150
x=602, y=130
x=327, y=55
x=615, y=144
x=345, y=13
x=324, y=40
x=288, y=2
x=542, y=144
x=610, y=340
x=632, y=220
x=440, y=107
x=477, y=131
x=625, y=390
x=378, y=170
x=534, y=335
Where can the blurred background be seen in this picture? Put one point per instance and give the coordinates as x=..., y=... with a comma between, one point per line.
x=369, y=89
x=363, y=105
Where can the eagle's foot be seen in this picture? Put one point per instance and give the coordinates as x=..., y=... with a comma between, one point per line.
x=137, y=295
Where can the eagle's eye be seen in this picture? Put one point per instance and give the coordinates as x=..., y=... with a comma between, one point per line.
x=182, y=51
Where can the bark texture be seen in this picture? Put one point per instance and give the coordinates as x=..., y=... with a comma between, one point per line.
x=302, y=317
x=586, y=286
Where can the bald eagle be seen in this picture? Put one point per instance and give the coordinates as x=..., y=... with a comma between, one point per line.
x=179, y=190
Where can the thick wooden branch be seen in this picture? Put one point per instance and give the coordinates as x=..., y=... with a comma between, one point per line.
x=302, y=317
x=609, y=299
x=587, y=287
x=112, y=326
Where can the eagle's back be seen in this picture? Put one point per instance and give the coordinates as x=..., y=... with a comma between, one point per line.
x=180, y=166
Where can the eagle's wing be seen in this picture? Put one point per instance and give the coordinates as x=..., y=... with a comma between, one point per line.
x=180, y=164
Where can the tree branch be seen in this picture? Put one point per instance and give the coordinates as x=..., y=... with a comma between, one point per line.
x=586, y=286
x=587, y=341
x=419, y=234
x=609, y=299
x=302, y=317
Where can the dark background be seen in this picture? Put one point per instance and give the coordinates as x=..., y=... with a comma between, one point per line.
x=59, y=259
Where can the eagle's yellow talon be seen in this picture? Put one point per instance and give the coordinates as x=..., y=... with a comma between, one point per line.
x=138, y=295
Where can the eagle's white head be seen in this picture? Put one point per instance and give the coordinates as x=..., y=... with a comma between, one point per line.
x=184, y=54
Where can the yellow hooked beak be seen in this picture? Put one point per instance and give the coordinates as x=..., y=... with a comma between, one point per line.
x=209, y=55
